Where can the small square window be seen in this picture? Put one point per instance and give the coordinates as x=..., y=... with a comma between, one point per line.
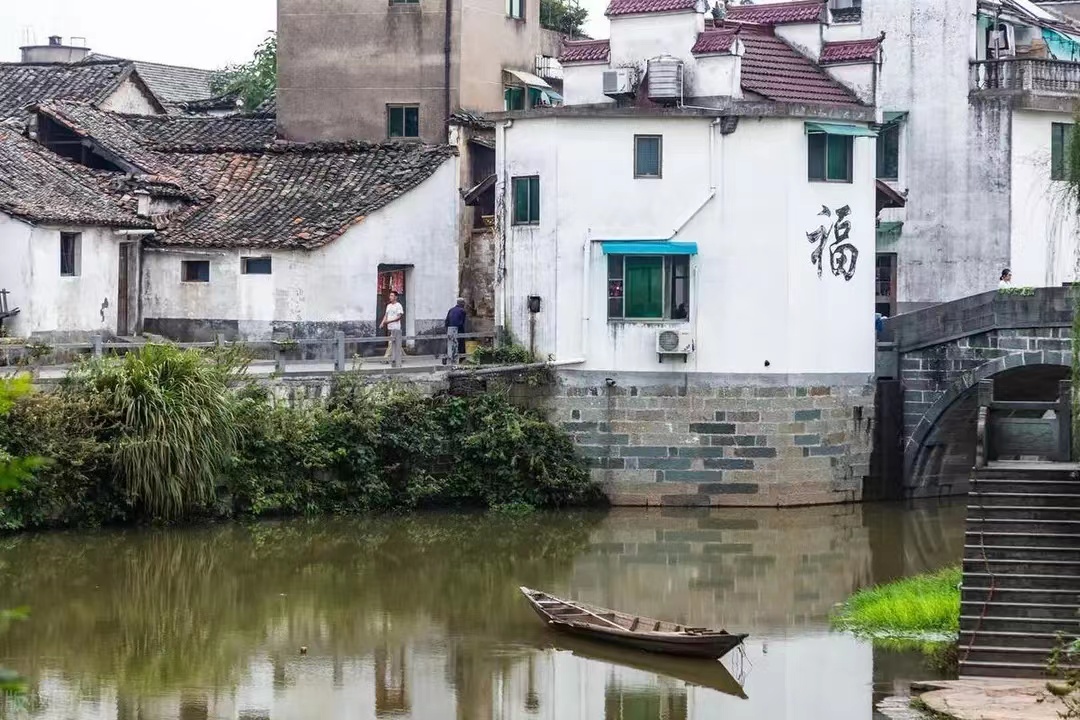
x=648, y=153
x=195, y=271
x=526, y=192
x=1060, y=135
x=255, y=266
x=70, y=254
x=403, y=121
x=515, y=9
x=829, y=157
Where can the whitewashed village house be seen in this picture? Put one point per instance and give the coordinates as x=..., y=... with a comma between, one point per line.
x=693, y=233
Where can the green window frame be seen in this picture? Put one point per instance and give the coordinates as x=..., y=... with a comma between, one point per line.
x=648, y=287
x=888, y=152
x=515, y=9
x=402, y=121
x=526, y=198
x=648, y=156
x=513, y=97
x=829, y=157
x=1060, y=134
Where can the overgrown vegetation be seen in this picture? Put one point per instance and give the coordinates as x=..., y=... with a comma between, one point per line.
x=505, y=354
x=159, y=435
x=564, y=16
x=919, y=609
x=253, y=81
x=1021, y=291
x=1065, y=665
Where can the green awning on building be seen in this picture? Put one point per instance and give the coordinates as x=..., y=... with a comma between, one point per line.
x=648, y=247
x=839, y=129
x=889, y=232
x=894, y=117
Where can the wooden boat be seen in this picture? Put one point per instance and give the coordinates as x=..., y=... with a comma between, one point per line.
x=631, y=631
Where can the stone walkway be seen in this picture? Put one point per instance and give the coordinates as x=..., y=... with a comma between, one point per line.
x=987, y=699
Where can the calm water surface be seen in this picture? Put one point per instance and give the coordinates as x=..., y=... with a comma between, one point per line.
x=420, y=618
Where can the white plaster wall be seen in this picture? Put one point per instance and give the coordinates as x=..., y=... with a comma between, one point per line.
x=755, y=295
x=844, y=31
x=637, y=38
x=858, y=77
x=717, y=75
x=805, y=37
x=1044, y=227
x=334, y=283
x=584, y=84
x=130, y=98
x=49, y=303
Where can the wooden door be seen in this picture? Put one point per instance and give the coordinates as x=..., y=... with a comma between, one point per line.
x=123, y=326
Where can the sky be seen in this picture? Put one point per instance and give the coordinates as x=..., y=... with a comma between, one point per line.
x=198, y=33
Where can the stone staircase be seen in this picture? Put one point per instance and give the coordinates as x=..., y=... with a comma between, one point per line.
x=1021, y=582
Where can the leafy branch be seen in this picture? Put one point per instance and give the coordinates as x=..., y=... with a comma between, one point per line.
x=253, y=81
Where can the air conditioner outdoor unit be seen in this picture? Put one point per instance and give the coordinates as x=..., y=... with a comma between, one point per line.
x=619, y=81
x=674, y=342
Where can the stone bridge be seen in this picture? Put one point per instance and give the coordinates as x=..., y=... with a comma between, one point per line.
x=940, y=353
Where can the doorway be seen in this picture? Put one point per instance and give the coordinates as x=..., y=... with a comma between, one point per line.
x=391, y=278
x=123, y=292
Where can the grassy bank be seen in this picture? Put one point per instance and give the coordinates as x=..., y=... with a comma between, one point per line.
x=916, y=609
x=164, y=434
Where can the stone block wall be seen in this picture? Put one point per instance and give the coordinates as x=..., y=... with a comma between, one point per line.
x=701, y=439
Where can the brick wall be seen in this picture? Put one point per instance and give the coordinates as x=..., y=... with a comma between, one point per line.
x=720, y=440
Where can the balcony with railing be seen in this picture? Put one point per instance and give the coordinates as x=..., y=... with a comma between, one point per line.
x=1031, y=77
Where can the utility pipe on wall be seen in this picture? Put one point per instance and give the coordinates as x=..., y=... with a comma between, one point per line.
x=449, y=24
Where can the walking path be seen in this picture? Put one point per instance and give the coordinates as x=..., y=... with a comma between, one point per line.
x=991, y=699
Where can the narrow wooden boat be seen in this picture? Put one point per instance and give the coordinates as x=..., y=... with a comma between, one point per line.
x=631, y=631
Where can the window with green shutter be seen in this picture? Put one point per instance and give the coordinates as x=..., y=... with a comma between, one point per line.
x=1059, y=150
x=648, y=287
x=514, y=98
x=403, y=121
x=829, y=157
x=526, y=198
x=648, y=152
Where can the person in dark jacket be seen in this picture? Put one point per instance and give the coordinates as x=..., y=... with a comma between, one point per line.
x=456, y=319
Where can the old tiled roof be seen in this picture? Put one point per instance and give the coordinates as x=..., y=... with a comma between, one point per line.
x=714, y=41
x=636, y=7
x=267, y=106
x=39, y=186
x=778, y=13
x=173, y=85
x=22, y=84
x=581, y=51
x=850, y=51
x=203, y=134
x=297, y=197
x=773, y=69
x=475, y=120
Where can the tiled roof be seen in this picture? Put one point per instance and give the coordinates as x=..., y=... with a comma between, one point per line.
x=636, y=7
x=773, y=69
x=299, y=197
x=714, y=41
x=172, y=84
x=575, y=51
x=850, y=51
x=778, y=13
x=267, y=106
x=39, y=186
x=22, y=84
x=204, y=134
x=474, y=120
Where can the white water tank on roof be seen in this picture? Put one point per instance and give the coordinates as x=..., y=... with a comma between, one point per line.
x=665, y=79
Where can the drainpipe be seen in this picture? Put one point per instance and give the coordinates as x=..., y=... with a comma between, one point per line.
x=714, y=188
x=449, y=22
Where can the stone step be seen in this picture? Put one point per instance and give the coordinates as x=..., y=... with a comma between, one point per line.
x=992, y=623
x=1020, y=595
x=1065, y=612
x=1011, y=655
x=1022, y=525
x=1025, y=539
x=1020, y=552
x=1033, y=473
x=1004, y=638
x=1000, y=566
x=974, y=668
x=1020, y=580
x=1036, y=485
x=1021, y=499
x=1054, y=513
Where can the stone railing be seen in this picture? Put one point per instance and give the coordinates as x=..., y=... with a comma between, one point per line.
x=1052, y=77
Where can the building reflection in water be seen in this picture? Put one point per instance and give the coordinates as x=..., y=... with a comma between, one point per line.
x=419, y=618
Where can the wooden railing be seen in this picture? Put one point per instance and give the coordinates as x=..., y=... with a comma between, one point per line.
x=1011, y=429
x=1053, y=77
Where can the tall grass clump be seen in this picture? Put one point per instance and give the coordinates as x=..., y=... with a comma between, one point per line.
x=919, y=607
x=173, y=422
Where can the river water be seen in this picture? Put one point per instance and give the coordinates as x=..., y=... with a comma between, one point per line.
x=419, y=617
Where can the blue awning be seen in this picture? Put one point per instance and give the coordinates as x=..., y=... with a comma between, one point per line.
x=648, y=247
x=840, y=129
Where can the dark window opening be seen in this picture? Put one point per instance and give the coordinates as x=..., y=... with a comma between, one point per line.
x=885, y=284
x=829, y=157
x=195, y=271
x=526, y=192
x=255, y=266
x=66, y=143
x=1060, y=136
x=70, y=254
x=516, y=9
x=648, y=156
x=403, y=121
x=648, y=287
x=888, y=152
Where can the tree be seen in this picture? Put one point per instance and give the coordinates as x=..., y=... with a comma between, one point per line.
x=564, y=16
x=253, y=81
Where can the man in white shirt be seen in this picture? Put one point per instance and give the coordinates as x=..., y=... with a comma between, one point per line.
x=392, y=318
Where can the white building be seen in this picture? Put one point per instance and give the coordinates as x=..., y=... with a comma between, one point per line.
x=699, y=220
